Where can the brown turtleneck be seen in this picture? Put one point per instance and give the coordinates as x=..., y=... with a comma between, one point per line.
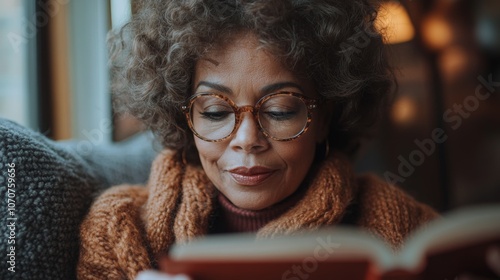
x=230, y=218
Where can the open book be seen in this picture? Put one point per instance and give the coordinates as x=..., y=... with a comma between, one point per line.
x=446, y=247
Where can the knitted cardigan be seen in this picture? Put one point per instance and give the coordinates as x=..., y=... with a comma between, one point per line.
x=128, y=226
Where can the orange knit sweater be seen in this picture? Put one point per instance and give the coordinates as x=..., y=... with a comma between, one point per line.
x=128, y=226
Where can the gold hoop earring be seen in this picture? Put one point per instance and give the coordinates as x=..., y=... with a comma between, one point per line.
x=183, y=157
x=327, y=149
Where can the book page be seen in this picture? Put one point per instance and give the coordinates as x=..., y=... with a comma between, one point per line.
x=458, y=228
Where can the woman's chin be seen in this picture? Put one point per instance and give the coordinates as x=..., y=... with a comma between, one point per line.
x=248, y=202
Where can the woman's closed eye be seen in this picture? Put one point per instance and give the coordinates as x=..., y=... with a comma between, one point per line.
x=280, y=115
x=215, y=114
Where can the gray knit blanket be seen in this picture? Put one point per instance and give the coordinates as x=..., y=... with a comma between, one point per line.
x=46, y=188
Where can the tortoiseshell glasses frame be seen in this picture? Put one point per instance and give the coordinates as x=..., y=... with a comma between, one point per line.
x=310, y=104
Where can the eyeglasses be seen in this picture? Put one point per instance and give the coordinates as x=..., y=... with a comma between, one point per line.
x=281, y=116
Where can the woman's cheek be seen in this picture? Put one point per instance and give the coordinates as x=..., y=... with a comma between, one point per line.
x=209, y=151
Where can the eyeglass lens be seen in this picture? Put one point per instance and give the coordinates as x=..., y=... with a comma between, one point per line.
x=281, y=117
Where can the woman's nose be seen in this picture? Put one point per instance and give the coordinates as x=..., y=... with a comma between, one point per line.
x=248, y=137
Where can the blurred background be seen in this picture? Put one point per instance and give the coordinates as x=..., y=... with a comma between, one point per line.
x=440, y=139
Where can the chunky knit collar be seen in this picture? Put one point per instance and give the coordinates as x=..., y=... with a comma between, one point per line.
x=181, y=201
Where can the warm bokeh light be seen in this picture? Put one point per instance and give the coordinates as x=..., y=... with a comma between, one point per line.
x=454, y=61
x=404, y=111
x=393, y=21
x=436, y=32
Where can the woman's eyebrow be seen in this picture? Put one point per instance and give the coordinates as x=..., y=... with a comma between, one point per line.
x=215, y=86
x=277, y=86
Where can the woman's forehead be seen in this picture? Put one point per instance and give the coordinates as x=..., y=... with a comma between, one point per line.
x=243, y=61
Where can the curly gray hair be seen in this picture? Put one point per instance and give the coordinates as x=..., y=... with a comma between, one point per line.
x=332, y=42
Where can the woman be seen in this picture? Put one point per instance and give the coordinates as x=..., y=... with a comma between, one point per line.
x=258, y=105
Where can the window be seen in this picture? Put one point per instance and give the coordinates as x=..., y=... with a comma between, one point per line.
x=14, y=48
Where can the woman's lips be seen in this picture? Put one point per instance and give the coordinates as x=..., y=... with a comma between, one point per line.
x=250, y=176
